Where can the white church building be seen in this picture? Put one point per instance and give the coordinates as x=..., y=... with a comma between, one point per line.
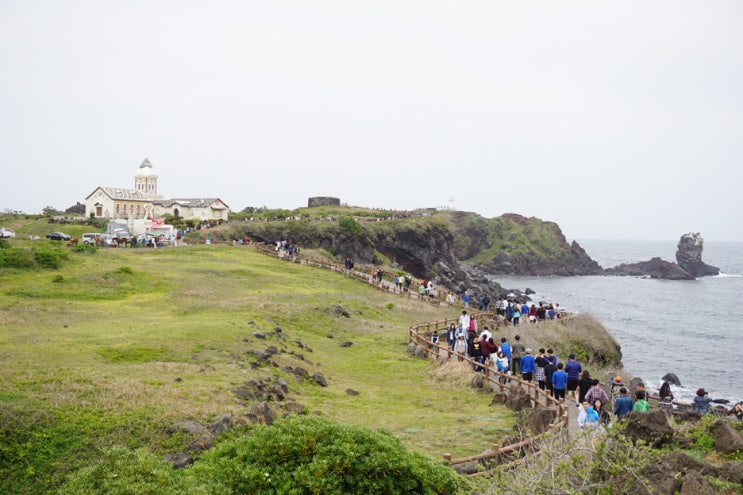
x=143, y=202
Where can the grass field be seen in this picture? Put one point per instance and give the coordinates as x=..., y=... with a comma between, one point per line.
x=118, y=346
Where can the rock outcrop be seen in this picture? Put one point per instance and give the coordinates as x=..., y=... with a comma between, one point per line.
x=689, y=256
x=689, y=264
x=651, y=427
x=655, y=268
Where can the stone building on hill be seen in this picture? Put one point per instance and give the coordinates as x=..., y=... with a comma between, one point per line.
x=144, y=202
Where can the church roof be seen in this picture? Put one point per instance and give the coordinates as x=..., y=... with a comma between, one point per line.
x=122, y=193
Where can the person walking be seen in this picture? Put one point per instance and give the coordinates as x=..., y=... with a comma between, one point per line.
x=573, y=369
x=528, y=366
x=559, y=382
x=517, y=350
x=501, y=364
x=460, y=346
x=540, y=362
x=596, y=393
x=451, y=336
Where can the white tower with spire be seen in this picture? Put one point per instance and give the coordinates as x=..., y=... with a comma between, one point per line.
x=145, y=180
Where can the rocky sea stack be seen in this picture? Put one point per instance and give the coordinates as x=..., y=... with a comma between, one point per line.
x=689, y=264
x=689, y=256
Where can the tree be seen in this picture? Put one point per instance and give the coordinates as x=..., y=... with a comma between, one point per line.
x=50, y=211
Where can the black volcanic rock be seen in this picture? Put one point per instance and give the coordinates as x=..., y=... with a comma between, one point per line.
x=689, y=256
x=655, y=268
x=689, y=267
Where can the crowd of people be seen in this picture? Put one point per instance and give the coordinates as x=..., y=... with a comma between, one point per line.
x=597, y=408
x=466, y=340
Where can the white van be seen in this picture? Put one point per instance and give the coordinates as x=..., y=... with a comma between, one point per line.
x=90, y=237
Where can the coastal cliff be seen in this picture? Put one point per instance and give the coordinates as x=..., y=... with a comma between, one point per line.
x=456, y=249
x=459, y=250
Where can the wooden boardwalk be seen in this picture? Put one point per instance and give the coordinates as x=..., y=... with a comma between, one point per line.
x=421, y=335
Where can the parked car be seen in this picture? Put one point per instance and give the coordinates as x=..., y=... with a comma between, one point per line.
x=5, y=232
x=109, y=240
x=58, y=236
x=91, y=237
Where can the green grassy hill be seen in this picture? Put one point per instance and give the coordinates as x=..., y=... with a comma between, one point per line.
x=117, y=347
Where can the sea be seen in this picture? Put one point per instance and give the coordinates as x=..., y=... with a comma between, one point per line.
x=693, y=329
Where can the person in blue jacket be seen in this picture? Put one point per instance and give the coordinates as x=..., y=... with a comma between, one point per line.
x=623, y=404
x=702, y=401
x=505, y=347
x=528, y=366
x=559, y=382
x=573, y=369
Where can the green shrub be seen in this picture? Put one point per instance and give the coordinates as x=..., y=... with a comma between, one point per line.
x=125, y=270
x=310, y=454
x=4, y=244
x=15, y=258
x=125, y=472
x=390, y=306
x=49, y=257
x=351, y=225
x=703, y=434
x=85, y=248
x=58, y=279
x=296, y=455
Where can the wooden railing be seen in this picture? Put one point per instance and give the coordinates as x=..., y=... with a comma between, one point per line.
x=421, y=335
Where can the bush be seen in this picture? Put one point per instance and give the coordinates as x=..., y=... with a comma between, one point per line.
x=297, y=455
x=125, y=472
x=305, y=455
x=4, y=244
x=85, y=248
x=49, y=258
x=351, y=225
x=125, y=270
x=15, y=258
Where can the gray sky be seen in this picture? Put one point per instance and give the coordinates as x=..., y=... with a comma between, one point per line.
x=613, y=119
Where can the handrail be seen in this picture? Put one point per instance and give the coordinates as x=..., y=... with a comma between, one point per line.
x=422, y=338
x=421, y=333
x=537, y=395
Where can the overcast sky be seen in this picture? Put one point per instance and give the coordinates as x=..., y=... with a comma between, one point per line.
x=619, y=120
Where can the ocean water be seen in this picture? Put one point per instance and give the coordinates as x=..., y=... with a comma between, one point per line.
x=691, y=328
